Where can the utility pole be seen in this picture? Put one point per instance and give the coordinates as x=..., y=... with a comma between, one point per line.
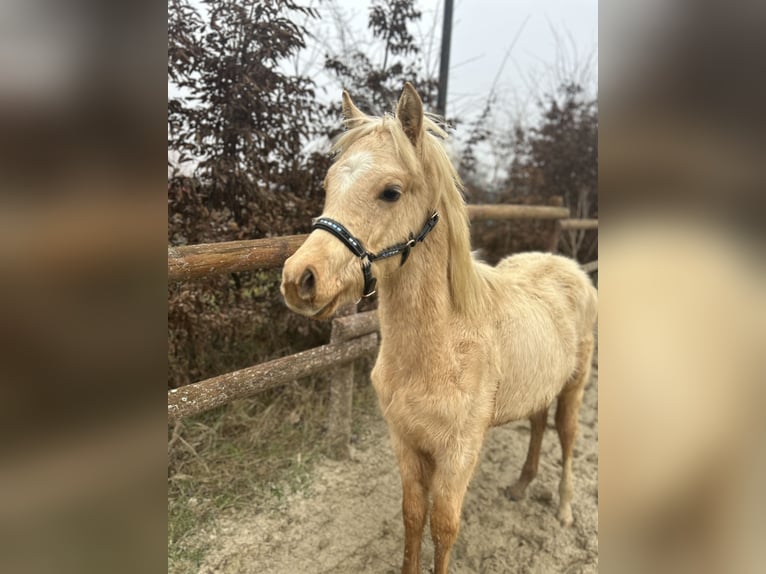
x=441, y=101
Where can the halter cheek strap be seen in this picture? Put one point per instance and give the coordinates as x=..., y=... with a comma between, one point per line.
x=355, y=246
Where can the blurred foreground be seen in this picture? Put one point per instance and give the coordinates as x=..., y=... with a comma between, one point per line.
x=681, y=275
x=682, y=284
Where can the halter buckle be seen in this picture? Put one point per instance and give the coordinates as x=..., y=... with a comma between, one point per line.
x=370, y=282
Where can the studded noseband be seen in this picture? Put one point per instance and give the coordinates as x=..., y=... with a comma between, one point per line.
x=356, y=247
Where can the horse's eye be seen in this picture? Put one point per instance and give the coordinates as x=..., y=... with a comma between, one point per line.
x=390, y=194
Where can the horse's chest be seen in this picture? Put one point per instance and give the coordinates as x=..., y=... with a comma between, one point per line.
x=426, y=419
x=424, y=422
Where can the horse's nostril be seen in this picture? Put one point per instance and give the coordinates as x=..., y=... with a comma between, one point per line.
x=307, y=284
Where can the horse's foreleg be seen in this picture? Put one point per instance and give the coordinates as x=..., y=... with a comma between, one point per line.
x=416, y=471
x=449, y=487
x=529, y=471
x=566, y=424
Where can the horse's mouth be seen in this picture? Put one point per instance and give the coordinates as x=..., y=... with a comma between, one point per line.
x=305, y=309
x=328, y=310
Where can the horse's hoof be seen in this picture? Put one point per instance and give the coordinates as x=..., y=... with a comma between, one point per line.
x=565, y=517
x=515, y=492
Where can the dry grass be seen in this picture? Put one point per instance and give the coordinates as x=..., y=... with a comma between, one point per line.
x=249, y=454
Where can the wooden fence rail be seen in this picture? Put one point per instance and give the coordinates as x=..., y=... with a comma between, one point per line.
x=590, y=267
x=199, y=397
x=196, y=261
x=188, y=262
x=482, y=212
x=353, y=336
x=579, y=224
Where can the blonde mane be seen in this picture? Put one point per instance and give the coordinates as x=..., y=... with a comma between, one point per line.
x=466, y=276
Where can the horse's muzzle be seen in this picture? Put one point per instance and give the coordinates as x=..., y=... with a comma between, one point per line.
x=299, y=286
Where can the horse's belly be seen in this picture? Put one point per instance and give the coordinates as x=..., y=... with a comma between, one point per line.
x=526, y=388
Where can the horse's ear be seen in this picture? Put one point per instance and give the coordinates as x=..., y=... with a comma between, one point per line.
x=409, y=111
x=351, y=114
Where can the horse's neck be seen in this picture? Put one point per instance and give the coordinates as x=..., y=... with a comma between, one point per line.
x=414, y=302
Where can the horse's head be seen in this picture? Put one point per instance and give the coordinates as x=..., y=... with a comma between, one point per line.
x=376, y=199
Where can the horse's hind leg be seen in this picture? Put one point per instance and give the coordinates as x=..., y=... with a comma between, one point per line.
x=567, y=410
x=538, y=422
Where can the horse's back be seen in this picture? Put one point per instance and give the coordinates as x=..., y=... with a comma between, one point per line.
x=558, y=282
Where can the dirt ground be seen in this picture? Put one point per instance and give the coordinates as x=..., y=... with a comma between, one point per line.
x=349, y=520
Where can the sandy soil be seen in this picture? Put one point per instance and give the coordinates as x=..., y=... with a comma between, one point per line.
x=349, y=520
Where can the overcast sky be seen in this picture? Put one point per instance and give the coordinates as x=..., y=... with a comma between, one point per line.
x=522, y=47
x=541, y=42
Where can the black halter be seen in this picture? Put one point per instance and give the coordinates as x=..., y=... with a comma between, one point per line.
x=356, y=247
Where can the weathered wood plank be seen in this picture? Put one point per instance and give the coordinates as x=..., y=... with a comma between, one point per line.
x=195, y=261
x=553, y=241
x=214, y=392
x=590, y=267
x=341, y=394
x=505, y=211
x=579, y=224
x=353, y=326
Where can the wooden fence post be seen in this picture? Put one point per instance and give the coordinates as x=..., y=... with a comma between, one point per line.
x=341, y=397
x=553, y=242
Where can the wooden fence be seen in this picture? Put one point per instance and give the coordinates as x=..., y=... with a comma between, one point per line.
x=353, y=335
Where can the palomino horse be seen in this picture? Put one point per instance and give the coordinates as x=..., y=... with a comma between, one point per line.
x=464, y=346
